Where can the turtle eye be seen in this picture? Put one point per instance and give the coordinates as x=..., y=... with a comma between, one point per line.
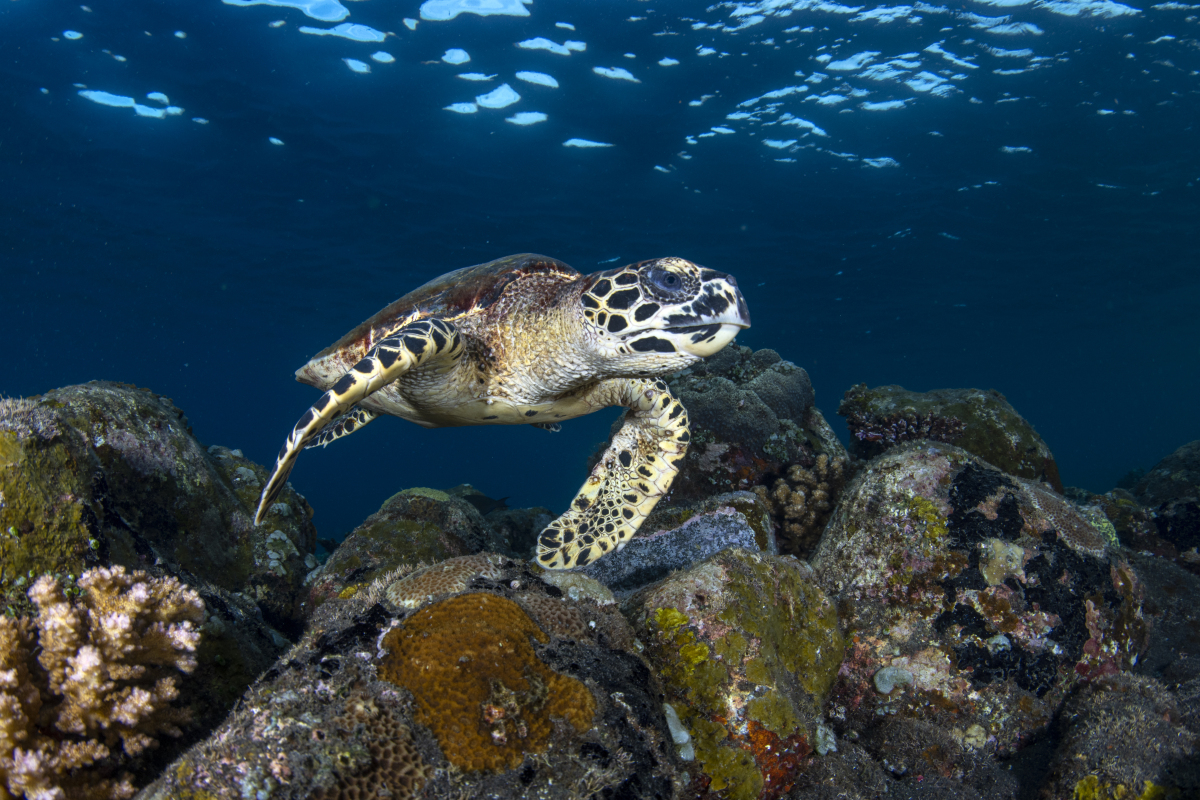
x=665, y=279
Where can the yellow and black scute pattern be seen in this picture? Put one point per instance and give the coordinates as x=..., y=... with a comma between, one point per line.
x=635, y=471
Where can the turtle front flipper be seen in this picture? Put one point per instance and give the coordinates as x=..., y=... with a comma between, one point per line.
x=344, y=425
x=408, y=347
x=634, y=472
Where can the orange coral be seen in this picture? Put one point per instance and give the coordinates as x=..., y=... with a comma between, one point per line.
x=478, y=683
x=779, y=759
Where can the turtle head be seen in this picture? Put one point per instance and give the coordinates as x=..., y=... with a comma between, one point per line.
x=663, y=314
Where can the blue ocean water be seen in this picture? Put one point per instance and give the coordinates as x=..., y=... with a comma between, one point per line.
x=197, y=197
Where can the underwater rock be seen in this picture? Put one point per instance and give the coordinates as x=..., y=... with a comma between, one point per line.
x=483, y=504
x=520, y=691
x=106, y=473
x=1124, y=737
x=677, y=537
x=1171, y=608
x=747, y=647
x=519, y=528
x=930, y=766
x=1132, y=522
x=906, y=759
x=1172, y=491
x=1174, y=478
x=413, y=527
x=983, y=423
x=751, y=414
x=992, y=592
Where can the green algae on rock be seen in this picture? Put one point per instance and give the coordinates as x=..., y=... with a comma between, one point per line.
x=747, y=646
x=105, y=473
x=980, y=422
x=990, y=591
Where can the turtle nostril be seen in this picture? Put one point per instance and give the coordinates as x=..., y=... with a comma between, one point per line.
x=732, y=280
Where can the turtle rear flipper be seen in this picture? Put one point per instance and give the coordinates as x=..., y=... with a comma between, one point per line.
x=409, y=346
x=635, y=471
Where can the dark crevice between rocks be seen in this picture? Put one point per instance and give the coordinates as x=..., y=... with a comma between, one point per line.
x=619, y=672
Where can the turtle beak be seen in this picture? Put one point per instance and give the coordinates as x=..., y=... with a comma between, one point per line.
x=721, y=312
x=743, y=312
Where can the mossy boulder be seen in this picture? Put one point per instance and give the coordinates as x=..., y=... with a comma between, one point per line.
x=1126, y=736
x=748, y=647
x=1175, y=478
x=975, y=600
x=980, y=422
x=106, y=473
x=414, y=527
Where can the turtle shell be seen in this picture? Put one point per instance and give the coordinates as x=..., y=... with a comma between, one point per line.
x=456, y=293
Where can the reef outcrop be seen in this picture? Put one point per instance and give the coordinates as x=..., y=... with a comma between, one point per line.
x=980, y=422
x=955, y=627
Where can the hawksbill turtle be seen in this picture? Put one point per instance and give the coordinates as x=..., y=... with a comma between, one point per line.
x=527, y=340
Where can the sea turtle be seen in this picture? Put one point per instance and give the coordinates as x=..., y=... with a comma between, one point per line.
x=527, y=340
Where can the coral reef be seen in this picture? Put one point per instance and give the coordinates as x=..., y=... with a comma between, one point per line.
x=106, y=473
x=960, y=618
x=748, y=647
x=987, y=597
x=102, y=676
x=983, y=423
x=513, y=696
x=391, y=764
x=802, y=501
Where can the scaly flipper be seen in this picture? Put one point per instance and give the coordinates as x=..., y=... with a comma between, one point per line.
x=410, y=346
x=634, y=472
x=346, y=424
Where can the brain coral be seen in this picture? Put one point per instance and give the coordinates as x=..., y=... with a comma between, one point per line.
x=478, y=683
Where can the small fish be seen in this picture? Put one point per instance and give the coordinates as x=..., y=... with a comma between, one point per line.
x=609, y=260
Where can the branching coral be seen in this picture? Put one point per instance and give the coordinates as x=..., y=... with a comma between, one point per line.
x=99, y=677
x=802, y=502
